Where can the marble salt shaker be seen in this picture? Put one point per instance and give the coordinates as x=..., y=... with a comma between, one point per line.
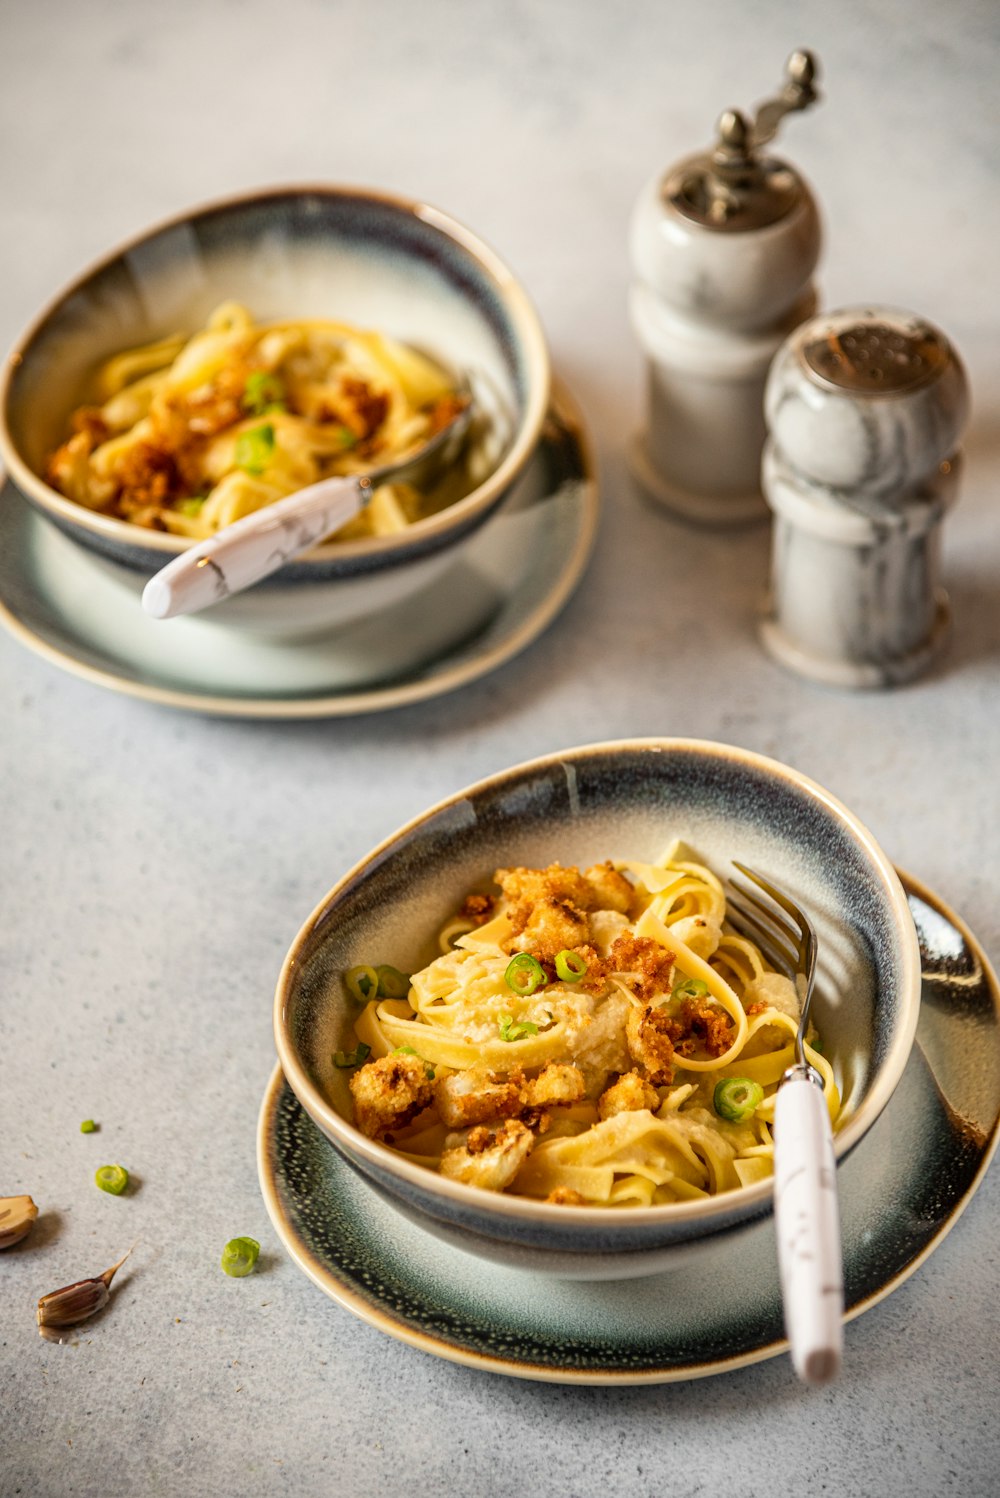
x=865, y=408
x=723, y=248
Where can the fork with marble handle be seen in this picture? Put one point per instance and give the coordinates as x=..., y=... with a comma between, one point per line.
x=807, y=1218
x=253, y=547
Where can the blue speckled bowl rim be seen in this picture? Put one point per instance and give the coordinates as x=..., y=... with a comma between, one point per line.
x=364, y=1303
x=333, y=558
x=455, y=1198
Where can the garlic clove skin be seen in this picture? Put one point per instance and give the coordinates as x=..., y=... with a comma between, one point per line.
x=61, y=1309
x=73, y=1303
x=17, y=1216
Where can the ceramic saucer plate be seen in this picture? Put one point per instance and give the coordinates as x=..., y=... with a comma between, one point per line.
x=508, y=586
x=901, y=1191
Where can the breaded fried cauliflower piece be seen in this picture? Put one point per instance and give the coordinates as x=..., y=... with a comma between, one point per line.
x=628, y=1095
x=605, y=928
x=490, y=1159
x=558, y=1082
x=704, y=1027
x=525, y=887
x=650, y=1034
x=648, y=965
x=552, y=927
x=602, y=887
x=389, y=1093
x=610, y=889
x=476, y=1096
x=655, y=1037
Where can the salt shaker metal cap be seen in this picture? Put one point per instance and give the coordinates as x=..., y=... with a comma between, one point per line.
x=723, y=247
x=865, y=409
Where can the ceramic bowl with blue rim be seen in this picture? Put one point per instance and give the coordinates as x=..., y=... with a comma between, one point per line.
x=618, y=800
x=352, y=254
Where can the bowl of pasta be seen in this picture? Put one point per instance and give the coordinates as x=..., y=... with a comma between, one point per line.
x=251, y=348
x=526, y=1020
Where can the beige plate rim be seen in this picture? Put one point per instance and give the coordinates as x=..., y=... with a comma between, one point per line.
x=437, y=683
x=326, y=1281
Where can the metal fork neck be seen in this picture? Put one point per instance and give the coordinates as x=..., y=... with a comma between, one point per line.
x=803, y=1072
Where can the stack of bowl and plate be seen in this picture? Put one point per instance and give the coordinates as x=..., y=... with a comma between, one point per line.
x=350, y=615
x=625, y=800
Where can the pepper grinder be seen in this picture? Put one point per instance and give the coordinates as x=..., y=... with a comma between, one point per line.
x=865, y=409
x=723, y=247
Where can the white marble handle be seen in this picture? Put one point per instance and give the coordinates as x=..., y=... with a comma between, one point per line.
x=252, y=548
x=808, y=1224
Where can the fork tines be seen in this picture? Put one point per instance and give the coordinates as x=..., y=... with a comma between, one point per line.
x=784, y=934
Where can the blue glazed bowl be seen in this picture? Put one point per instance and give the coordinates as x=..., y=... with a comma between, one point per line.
x=347, y=253
x=606, y=800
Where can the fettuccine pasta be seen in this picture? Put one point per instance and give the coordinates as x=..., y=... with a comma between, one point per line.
x=600, y=1037
x=192, y=433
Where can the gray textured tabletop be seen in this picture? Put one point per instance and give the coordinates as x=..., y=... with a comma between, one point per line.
x=155, y=865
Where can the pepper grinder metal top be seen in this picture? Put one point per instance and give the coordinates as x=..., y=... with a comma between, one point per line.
x=866, y=409
x=723, y=247
x=732, y=187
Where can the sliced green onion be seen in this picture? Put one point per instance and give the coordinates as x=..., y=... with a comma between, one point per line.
x=88, y=1126
x=407, y=1050
x=239, y=1256
x=262, y=392
x=392, y=984
x=362, y=982
x=524, y=973
x=193, y=505
x=690, y=988
x=254, y=449
x=345, y=1059
x=737, y=1098
x=570, y=966
x=111, y=1178
x=346, y=438
x=511, y=1029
